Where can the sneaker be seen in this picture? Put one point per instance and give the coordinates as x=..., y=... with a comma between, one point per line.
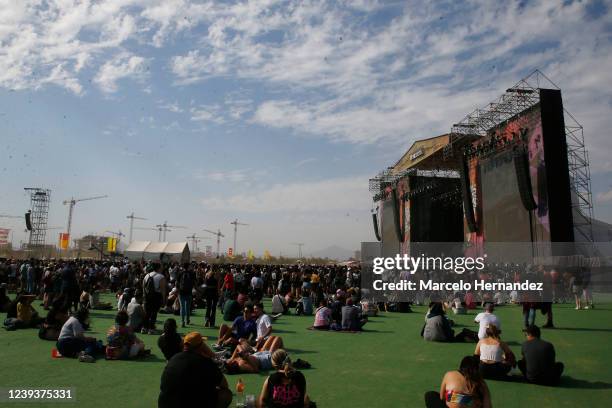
x=143, y=331
x=217, y=347
x=86, y=358
x=183, y=325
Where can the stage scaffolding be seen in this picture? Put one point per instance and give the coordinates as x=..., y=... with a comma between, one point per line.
x=39, y=205
x=515, y=100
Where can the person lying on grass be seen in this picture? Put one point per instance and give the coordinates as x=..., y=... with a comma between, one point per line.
x=122, y=342
x=243, y=327
x=463, y=388
x=247, y=359
x=284, y=388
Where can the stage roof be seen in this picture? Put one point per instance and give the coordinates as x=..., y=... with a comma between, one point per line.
x=428, y=154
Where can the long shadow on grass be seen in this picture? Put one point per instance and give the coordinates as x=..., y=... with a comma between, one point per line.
x=569, y=382
x=586, y=329
x=300, y=351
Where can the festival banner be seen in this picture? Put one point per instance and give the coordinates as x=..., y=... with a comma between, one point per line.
x=64, y=240
x=111, y=244
x=4, y=233
x=230, y=252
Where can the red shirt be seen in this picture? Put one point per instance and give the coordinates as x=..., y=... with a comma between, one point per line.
x=228, y=281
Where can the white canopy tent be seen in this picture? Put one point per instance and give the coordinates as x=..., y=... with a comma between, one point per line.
x=135, y=250
x=158, y=251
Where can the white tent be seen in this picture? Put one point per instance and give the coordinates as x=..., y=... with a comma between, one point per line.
x=135, y=250
x=154, y=251
x=177, y=252
x=158, y=251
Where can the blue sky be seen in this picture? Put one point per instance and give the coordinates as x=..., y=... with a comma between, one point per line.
x=272, y=112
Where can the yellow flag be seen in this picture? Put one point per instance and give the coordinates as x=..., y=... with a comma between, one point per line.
x=267, y=255
x=250, y=255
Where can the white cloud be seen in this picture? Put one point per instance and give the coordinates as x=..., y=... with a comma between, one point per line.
x=207, y=114
x=604, y=197
x=122, y=66
x=340, y=194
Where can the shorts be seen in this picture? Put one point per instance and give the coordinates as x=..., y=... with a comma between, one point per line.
x=265, y=360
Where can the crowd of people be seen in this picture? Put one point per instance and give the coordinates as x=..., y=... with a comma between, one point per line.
x=246, y=340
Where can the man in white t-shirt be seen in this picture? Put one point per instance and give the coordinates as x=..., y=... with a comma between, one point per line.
x=485, y=319
x=264, y=325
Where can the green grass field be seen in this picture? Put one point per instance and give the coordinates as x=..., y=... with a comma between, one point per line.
x=388, y=365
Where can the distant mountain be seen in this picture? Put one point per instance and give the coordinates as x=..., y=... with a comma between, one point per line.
x=334, y=252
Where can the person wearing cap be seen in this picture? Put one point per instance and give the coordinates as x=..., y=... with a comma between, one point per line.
x=191, y=378
x=538, y=364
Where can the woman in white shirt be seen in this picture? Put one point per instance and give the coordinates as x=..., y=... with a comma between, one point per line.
x=496, y=358
x=72, y=341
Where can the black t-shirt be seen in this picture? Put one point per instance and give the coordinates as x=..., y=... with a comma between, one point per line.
x=189, y=380
x=539, y=358
x=170, y=345
x=290, y=395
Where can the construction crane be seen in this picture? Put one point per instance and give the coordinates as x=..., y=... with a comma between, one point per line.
x=235, y=223
x=132, y=217
x=10, y=216
x=194, y=241
x=219, y=235
x=72, y=202
x=116, y=234
x=163, y=228
x=159, y=230
x=299, y=245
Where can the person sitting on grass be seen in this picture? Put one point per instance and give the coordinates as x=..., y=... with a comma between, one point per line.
x=21, y=314
x=485, y=319
x=538, y=363
x=56, y=317
x=304, y=304
x=231, y=308
x=170, y=342
x=136, y=312
x=192, y=379
x=352, y=319
x=72, y=340
x=461, y=389
x=264, y=325
x=284, y=388
x=323, y=316
x=278, y=304
x=496, y=358
x=243, y=327
x=122, y=342
x=246, y=359
x=438, y=328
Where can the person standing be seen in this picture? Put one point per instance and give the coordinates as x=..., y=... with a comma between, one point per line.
x=212, y=296
x=185, y=282
x=154, y=289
